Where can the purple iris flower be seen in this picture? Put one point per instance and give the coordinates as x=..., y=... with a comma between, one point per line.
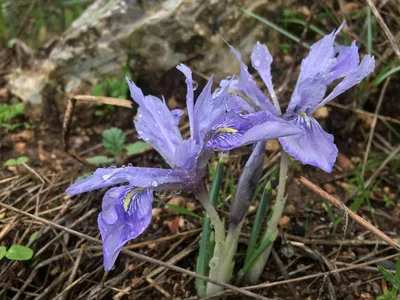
x=324, y=64
x=126, y=209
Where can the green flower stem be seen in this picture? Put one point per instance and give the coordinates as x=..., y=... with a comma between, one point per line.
x=222, y=263
x=216, y=223
x=257, y=268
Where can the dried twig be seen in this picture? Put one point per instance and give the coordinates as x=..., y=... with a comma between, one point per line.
x=388, y=33
x=68, y=117
x=338, y=204
x=363, y=112
x=383, y=164
x=372, y=130
x=134, y=254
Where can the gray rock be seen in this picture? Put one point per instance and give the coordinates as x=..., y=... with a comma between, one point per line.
x=149, y=36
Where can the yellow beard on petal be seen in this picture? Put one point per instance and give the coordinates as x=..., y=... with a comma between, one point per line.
x=307, y=119
x=225, y=130
x=129, y=197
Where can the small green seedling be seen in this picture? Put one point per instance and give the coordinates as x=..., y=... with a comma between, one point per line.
x=394, y=281
x=114, y=142
x=16, y=252
x=16, y=161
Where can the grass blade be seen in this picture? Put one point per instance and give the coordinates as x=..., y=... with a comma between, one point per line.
x=275, y=27
x=256, y=254
x=369, y=31
x=255, y=230
x=390, y=277
x=205, y=243
x=381, y=78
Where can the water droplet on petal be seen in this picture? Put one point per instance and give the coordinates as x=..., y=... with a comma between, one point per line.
x=257, y=63
x=110, y=215
x=225, y=152
x=154, y=183
x=159, y=112
x=195, y=85
x=130, y=165
x=139, y=115
x=160, y=193
x=244, y=112
x=178, y=192
x=105, y=177
x=168, y=194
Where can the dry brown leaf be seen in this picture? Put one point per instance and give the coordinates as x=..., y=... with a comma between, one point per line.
x=272, y=145
x=178, y=201
x=344, y=162
x=284, y=222
x=321, y=113
x=173, y=225
x=290, y=209
x=24, y=135
x=190, y=206
x=19, y=147
x=329, y=188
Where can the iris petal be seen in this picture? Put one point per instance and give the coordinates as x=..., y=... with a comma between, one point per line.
x=141, y=177
x=249, y=86
x=189, y=95
x=313, y=146
x=261, y=60
x=366, y=67
x=156, y=124
x=126, y=214
x=239, y=130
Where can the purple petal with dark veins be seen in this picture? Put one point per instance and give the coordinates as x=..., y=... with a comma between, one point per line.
x=156, y=124
x=126, y=214
x=313, y=146
x=202, y=112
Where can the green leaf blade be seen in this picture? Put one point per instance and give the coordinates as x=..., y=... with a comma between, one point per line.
x=260, y=216
x=18, y=252
x=137, y=148
x=99, y=159
x=205, y=250
x=3, y=251
x=181, y=210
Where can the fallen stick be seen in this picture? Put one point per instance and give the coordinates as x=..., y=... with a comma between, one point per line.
x=134, y=254
x=340, y=205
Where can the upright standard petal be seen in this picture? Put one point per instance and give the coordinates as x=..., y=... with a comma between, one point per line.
x=141, y=177
x=366, y=67
x=306, y=96
x=177, y=113
x=249, y=87
x=202, y=112
x=346, y=60
x=186, y=155
x=261, y=60
x=126, y=214
x=320, y=60
x=313, y=146
x=189, y=95
x=156, y=124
